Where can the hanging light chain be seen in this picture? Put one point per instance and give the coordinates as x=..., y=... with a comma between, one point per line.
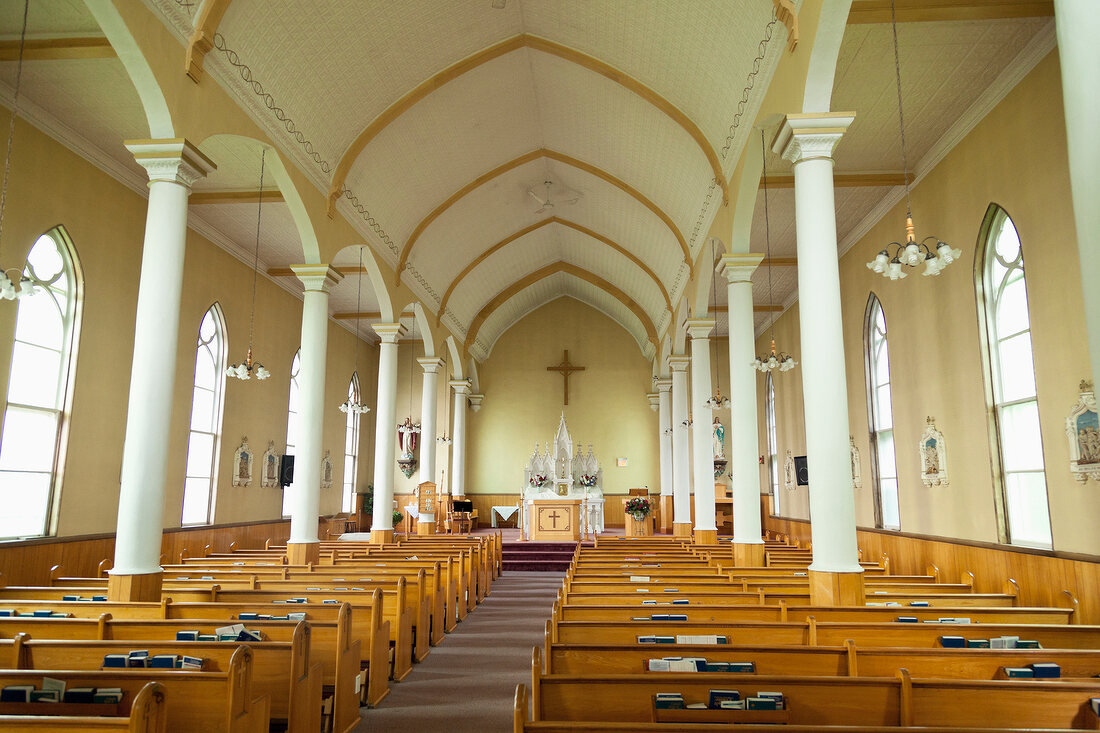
x=247, y=368
x=354, y=403
x=27, y=285
x=783, y=361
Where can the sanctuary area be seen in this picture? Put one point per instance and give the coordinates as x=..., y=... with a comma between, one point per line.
x=549, y=365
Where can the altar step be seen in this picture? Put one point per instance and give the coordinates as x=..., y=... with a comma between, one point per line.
x=546, y=557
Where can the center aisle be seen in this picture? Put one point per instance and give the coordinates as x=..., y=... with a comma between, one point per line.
x=468, y=682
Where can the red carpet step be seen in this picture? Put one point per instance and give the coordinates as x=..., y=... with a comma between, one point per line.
x=539, y=557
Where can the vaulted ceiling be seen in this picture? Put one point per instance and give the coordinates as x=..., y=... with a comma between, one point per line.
x=455, y=124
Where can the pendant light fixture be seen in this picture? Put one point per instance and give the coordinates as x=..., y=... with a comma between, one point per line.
x=353, y=404
x=246, y=369
x=717, y=401
x=27, y=285
x=911, y=253
x=782, y=361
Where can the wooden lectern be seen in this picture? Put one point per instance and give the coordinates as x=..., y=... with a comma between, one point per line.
x=428, y=506
x=555, y=520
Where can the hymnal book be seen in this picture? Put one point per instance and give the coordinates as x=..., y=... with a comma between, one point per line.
x=672, y=590
x=700, y=639
x=297, y=616
x=313, y=589
x=677, y=617
x=45, y=696
x=207, y=637
x=647, y=639
x=1095, y=703
x=665, y=639
x=1028, y=644
x=70, y=598
x=696, y=706
x=6, y=612
x=681, y=602
x=639, y=578
x=649, y=603
x=952, y=642
x=977, y=643
x=1003, y=642
x=229, y=630
x=950, y=620
x=668, y=701
x=717, y=697
x=330, y=601
x=107, y=695
x=1046, y=670
x=688, y=664
x=138, y=659
x=80, y=694
x=43, y=613
x=116, y=660
x=659, y=617
x=16, y=693
x=906, y=619
x=639, y=618
x=99, y=599
x=777, y=696
x=190, y=662
x=657, y=665
x=60, y=614
x=731, y=705
x=54, y=684
x=641, y=590
x=164, y=661
x=248, y=635
x=761, y=703
x=742, y=667
x=718, y=667
x=1018, y=672
x=187, y=636
x=248, y=616
x=207, y=577
x=919, y=604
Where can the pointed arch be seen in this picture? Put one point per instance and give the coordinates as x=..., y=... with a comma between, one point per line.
x=579, y=272
x=524, y=40
x=350, y=471
x=200, y=484
x=880, y=416
x=538, y=225
x=527, y=158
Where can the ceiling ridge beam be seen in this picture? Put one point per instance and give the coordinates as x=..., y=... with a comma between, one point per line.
x=538, y=225
x=59, y=48
x=536, y=43
x=403, y=259
x=923, y=11
x=204, y=197
x=846, y=180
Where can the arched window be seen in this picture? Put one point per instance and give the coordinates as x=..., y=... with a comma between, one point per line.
x=880, y=417
x=1019, y=469
x=292, y=422
x=204, y=439
x=35, y=417
x=351, y=447
x=773, y=446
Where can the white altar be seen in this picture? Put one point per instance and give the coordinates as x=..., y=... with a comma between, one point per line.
x=558, y=473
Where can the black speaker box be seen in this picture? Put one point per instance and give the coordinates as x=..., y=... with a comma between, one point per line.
x=801, y=472
x=286, y=471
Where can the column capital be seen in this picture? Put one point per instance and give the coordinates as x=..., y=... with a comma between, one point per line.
x=460, y=386
x=389, y=332
x=809, y=136
x=740, y=267
x=662, y=385
x=654, y=400
x=173, y=160
x=430, y=364
x=317, y=277
x=699, y=328
x=475, y=401
x=679, y=362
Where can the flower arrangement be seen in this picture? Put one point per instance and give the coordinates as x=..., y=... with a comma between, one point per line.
x=588, y=480
x=638, y=508
x=539, y=480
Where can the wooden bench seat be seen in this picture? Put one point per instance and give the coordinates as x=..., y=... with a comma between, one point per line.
x=147, y=712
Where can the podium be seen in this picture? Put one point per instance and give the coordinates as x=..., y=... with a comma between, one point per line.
x=555, y=520
x=428, y=506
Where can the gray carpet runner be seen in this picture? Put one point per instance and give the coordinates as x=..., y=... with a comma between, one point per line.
x=468, y=682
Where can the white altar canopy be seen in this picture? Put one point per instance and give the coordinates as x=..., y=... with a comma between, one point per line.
x=563, y=471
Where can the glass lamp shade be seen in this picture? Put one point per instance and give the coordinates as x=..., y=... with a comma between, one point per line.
x=351, y=406
x=878, y=265
x=8, y=290
x=787, y=364
x=912, y=254
x=894, y=270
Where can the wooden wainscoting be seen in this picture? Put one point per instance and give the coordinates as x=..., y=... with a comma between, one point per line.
x=484, y=504
x=1042, y=575
x=29, y=562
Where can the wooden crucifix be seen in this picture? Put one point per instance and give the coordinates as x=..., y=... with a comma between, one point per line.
x=565, y=368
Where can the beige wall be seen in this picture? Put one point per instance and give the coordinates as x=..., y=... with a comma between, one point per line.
x=1016, y=158
x=50, y=185
x=523, y=402
x=410, y=385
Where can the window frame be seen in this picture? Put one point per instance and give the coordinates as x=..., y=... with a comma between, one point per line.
x=219, y=349
x=987, y=294
x=352, y=434
x=295, y=391
x=72, y=319
x=870, y=362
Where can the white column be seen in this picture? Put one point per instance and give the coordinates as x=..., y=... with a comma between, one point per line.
x=305, y=496
x=428, y=393
x=681, y=461
x=1078, y=26
x=173, y=166
x=458, y=434
x=808, y=141
x=744, y=441
x=385, y=430
x=664, y=427
x=702, y=448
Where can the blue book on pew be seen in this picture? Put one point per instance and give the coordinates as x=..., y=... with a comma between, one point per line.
x=717, y=697
x=116, y=660
x=1046, y=670
x=952, y=642
x=907, y=619
x=187, y=636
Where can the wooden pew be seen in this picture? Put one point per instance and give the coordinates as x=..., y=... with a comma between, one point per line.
x=147, y=713
x=197, y=702
x=281, y=671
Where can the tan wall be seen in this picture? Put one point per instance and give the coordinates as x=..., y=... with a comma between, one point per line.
x=50, y=185
x=607, y=402
x=1016, y=157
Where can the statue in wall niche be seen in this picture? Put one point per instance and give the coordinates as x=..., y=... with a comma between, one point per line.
x=1083, y=432
x=933, y=455
x=719, y=439
x=270, y=475
x=242, y=464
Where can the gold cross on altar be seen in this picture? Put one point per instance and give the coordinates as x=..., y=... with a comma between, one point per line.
x=554, y=517
x=565, y=368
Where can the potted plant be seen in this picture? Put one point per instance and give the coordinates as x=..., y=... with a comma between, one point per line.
x=397, y=517
x=638, y=507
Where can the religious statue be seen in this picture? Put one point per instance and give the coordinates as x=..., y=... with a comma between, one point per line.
x=270, y=475
x=1083, y=432
x=933, y=455
x=719, y=439
x=406, y=437
x=326, y=471
x=242, y=464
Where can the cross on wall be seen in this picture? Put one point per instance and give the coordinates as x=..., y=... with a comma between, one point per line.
x=565, y=368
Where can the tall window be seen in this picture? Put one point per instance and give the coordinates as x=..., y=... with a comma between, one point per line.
x=199, y=487
x=292, y=423
x=1011, y=371
x=35, y=419
x=351, y=447
x=880, y=417
x=773, y=445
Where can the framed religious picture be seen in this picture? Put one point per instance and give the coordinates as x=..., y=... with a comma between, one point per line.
x=269, y=467
x=788, y=472
x=857, y=467
x=326, y=471
x=1083, y=432
x=933, y=455
x=242, y=464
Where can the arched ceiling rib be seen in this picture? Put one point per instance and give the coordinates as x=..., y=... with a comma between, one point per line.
x=542, y=273
x=422, y=90
x=526, y=158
